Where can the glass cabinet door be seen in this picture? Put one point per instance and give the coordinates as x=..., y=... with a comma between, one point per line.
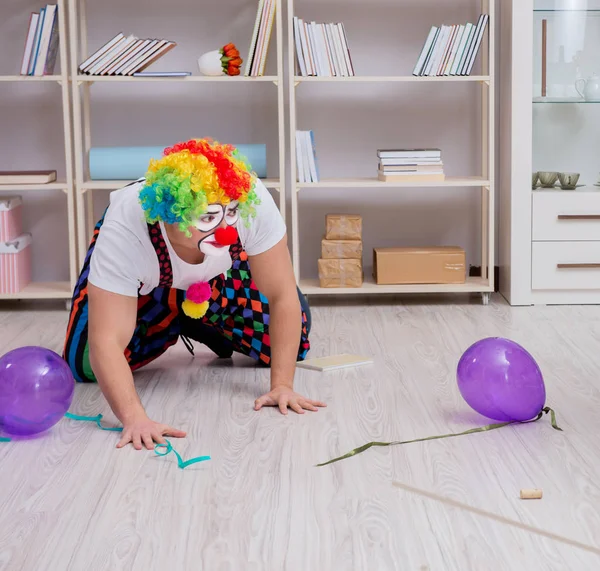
x=566, y=95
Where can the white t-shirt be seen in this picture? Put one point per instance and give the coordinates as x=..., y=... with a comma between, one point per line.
x=124, y=256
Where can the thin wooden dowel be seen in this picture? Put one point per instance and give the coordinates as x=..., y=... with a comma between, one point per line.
x=544, y=56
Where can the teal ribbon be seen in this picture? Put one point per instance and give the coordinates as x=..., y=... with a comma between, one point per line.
x=4, y=439
x=159, y=449
x=486, y=428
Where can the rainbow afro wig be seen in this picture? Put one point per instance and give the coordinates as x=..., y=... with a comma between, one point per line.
x=190, y=176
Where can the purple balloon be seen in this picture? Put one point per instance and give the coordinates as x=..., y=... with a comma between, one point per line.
x=501, y=380
x=36, y=389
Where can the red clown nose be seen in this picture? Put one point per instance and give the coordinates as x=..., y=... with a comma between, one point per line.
x=226, y=236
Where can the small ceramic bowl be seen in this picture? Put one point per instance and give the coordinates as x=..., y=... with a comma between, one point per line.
x=548, y=179
x=535, y=177
x=568, y=180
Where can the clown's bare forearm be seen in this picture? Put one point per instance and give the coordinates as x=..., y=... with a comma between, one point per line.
x=285, y=329
x=111, y=325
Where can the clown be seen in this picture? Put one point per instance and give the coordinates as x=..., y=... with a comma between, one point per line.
x=171, y=258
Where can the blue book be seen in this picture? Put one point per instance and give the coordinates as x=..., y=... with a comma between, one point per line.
x=36, y=42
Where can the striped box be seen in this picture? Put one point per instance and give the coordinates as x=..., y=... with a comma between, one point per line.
x=10, y=218
x=15, y=264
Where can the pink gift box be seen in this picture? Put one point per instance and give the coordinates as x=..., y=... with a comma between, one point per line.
x=10, y=218
x=15, y=264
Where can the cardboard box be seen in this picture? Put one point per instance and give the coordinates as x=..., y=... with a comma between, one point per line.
x=341, y=249
x=436, y=265
x=340, y=273
x=10, y=218
x=343, y=227
x=15, y=264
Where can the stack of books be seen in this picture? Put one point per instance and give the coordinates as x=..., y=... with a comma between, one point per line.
x=451, y=50
x=125, y=56
x=411, y=165
x=306, y=157
x=261, y=37
x=41, y=42
x=322, y=49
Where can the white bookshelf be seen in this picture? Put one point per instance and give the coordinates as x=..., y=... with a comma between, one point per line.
x=59, y=289
x=82, y=127
x=484, y=183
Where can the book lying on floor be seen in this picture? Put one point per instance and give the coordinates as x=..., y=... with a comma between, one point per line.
x=334, y=362
x=27, y=177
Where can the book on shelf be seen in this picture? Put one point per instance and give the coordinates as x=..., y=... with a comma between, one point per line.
x=410, y=165
x=261, y=38
x=27, y=177
x=125, y=56
x=322, y=49
x=162, y=74
x=451, y=50
x=306, y=157
x=41, y=42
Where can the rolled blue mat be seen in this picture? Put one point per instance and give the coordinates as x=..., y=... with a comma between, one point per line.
x=130, y=163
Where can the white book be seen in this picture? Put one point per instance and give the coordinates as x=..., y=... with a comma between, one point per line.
x=133, y=55
x=315, y=49
x=134, y=63
x=99, y=53
x=308, y=56
x=267, y=38
x=334, y=362
x=452, y=50
x=440, y=45
x=319, y=40
x=123, y=47
x=431, y=53
x=299, y=166
x=33, y=22
x=469, y=49
x=327, y=48
x=465, y=52
x=337, y=50
x=299, y=54
x=425, y=51
x=311, y=157
x=256, y=58
x=42, y=56
x=346, y=50
x=334, y=61
x=461, y=49
x=409, y=153
x=151, y=56
x=123, y=57
x=337, y=36
x=478, y=41
x=108, y=56
x=306, y=156
x=36, y=42
x=441, y=66
x=409, y=161
x=252, y=49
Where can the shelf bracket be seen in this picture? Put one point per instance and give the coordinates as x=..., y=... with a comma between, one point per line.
x=65, y=190
x=276, y=82
x=296, y=83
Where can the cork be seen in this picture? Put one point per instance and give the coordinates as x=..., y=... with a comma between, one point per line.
x=531, y=494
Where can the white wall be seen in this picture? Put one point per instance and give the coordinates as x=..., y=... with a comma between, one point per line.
x=350, y=122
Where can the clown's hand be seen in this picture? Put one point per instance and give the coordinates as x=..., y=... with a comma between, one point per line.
x=284, y=397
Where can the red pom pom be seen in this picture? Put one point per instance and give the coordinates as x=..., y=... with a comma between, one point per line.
x=199, y=292
x=226, y=236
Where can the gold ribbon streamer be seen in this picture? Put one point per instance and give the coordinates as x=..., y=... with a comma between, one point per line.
x=364, y=447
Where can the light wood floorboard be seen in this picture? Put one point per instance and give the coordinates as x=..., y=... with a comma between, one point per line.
x=70, y=501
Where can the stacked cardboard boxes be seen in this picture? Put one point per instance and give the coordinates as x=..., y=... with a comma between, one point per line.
x=340, y=265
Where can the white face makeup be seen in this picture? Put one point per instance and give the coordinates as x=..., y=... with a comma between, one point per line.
x=210, y=221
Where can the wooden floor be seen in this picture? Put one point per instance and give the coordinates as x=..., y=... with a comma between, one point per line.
x=70, y=501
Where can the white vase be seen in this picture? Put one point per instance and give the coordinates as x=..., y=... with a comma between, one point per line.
x=210, y=63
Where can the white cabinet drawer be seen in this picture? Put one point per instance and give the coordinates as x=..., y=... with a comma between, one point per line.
x=565, y=266
x=566, y=216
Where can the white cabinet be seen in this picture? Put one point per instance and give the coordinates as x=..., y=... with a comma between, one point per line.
x=549, y=238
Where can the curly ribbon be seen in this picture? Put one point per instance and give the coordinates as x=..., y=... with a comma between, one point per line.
x=158, y=448
x=486, y=428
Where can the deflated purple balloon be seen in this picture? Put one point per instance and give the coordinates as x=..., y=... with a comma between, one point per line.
x=36, y=389
x=499, y=379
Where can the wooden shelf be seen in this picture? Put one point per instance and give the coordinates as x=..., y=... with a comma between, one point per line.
x=42, y=290
x=472, y=285
x=188, y=78
x=57, y=185
x=30, y=78
x=116, y=184
x=474, y=181
x=393, y=79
